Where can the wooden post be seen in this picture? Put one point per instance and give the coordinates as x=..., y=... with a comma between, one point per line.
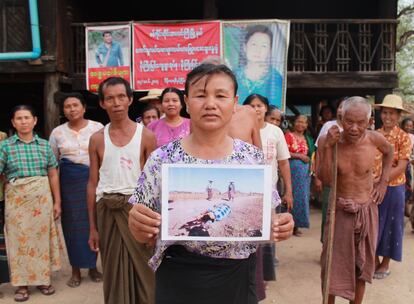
x=331, y=227
x=50, y=106
x=210, y=9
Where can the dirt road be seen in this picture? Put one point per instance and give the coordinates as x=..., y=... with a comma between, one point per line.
x=298, y=277
x=298, y=274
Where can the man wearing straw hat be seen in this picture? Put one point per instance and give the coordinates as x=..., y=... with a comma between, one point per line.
x=356, y=221
x=391, y=211
x=153, y=98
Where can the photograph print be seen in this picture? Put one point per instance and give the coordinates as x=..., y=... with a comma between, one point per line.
x=216, y=202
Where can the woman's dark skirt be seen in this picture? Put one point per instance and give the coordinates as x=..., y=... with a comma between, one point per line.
x=184, y=277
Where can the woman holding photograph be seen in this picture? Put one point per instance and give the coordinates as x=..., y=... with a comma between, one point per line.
x=187, y=272
x=257, y=75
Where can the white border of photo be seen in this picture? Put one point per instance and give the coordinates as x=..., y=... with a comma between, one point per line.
x=267, y=205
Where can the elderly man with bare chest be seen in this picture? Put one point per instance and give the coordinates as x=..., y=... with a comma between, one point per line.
x=356, y=224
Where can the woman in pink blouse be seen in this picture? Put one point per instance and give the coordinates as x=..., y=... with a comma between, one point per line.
x=173, y=126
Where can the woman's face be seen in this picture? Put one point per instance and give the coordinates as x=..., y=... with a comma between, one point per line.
x=300, y=124
x=326, y=114
x=389, y=117
x=408, y=126
x=258, y=48
x=339, y=111
x=211, y=105
x=23, y=121
x=73, y=109
x=149, y=116
x=275, y=118
x=259, y=107
x=171, y=104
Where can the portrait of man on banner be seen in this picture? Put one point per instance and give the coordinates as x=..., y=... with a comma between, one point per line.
x=108, y=47
x=108, y=53
x=257, y=53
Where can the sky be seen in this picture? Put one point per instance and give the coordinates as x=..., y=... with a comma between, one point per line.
x=196, y=179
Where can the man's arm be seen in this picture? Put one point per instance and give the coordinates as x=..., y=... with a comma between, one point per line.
x=256, y=134
x=149, y=144
x=256, y=141
x=120, y=56
x=91, y=192
x=325, y=151
x=285, y=172
x=387, y=151
x=98, y=56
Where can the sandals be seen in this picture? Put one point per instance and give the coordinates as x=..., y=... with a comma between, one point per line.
x=21, y=294
x=95, y=276
x=46, y=290
x=379, y=275
x=73, y=282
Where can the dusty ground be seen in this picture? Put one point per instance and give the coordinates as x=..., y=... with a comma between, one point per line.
x=298, y=277
x=298, y=274
x=245, y=213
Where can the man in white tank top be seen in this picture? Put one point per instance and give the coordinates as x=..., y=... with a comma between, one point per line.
x=117, y=154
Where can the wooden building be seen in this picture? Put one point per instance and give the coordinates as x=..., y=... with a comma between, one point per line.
x=337, y=48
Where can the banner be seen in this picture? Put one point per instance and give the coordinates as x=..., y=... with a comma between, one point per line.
x=163, y=54
x=108, y=53
x=256, y=51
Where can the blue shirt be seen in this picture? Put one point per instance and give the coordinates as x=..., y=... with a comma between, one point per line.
x=270, y=86
x=115, y=56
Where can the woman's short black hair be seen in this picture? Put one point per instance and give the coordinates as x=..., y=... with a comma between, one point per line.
x=23, y=107
x=209, y=69
x=149, y=108
x=405, y=120
x=263, y=99
x=73, y=95
x=258, y=28
x=326, y=107
x=173, y=90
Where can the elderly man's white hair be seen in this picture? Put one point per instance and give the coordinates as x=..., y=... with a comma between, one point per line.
x=356, y=101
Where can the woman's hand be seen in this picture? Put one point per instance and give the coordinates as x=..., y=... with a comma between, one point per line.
x=144, y=224
x=57, y=210
x=305, y=158
x=282, y=227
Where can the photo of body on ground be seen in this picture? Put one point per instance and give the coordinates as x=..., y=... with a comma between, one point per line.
x=215, y=202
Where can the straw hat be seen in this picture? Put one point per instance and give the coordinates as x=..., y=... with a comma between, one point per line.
x=392, y=101
x=152, y=94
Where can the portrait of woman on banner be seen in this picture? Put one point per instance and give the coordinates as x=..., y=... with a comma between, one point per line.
x=256, y=70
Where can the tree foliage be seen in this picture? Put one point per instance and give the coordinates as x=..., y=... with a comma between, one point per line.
x=405, y=48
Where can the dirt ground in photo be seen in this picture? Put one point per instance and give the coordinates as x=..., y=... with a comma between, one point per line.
x=246, y=215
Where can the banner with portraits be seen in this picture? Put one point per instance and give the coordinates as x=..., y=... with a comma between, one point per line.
x=163, y=54
x=256, y=51
x=108, y=53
